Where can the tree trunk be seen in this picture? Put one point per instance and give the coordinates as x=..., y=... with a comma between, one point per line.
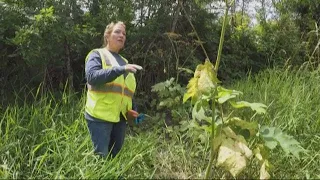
x=242, y=12
x=141, y=13
x=176, y=16
x=263, y=9
x=233, y=16
x=68, y=65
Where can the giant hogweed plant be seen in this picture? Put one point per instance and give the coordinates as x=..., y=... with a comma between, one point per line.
x=234, y=141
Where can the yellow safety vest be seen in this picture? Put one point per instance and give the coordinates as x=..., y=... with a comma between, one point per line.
x=107, y=101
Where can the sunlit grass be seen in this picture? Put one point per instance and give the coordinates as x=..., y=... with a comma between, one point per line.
x=47, y=137
x=292, y=97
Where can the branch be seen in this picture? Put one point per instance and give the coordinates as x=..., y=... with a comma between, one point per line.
x=194, y=29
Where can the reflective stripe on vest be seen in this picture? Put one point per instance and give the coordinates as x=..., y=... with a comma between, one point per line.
x=111, y=88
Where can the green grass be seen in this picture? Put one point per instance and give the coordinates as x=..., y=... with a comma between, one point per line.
x=292, y=97
x=48, y=137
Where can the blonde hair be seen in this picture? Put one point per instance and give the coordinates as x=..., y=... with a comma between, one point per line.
x=109, y=29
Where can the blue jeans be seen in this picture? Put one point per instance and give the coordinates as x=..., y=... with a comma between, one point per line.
x=107, y=136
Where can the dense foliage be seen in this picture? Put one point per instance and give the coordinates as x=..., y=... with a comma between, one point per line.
x=271, y=57
x=48, y=139
x=46, y=42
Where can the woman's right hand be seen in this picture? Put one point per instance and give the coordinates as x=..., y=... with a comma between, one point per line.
x=132, y=68
x=131, y=116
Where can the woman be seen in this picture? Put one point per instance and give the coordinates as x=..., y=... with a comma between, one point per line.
x=111, y=85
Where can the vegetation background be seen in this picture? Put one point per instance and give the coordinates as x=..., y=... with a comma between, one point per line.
x=272, y=56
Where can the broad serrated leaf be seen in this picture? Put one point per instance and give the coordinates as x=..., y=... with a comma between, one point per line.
x=229, y=132
x=203, y=82
x=217, y=142
x=230, y=158
x=262, y=151
x=238, y=138
x=192, y=89
x=233, y=152
x=186, y=96
x=258, y=107
x=166, y=102
x=267, y=134
x=226, y=94
x=162, y=85
x=252, y=127
x=288, y=143
x=209, y=68
x=271, y=144
x=158, y=87
x=273, y=135
x=198, y=112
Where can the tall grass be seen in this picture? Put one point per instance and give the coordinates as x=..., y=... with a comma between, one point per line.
x=47, y=136
x=293, y=101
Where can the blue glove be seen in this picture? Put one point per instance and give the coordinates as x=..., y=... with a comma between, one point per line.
x=139, y=119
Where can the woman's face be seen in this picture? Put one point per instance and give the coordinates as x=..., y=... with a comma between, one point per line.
x=117, y=38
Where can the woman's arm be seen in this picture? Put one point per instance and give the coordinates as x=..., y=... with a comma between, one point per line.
x=96, y=75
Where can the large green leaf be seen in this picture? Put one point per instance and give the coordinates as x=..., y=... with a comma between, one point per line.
x=166, y=103
x=274, y=136
x=258, y=107
x=226, y=94
x=252, y=127
x=198, y=112
x=162, y=85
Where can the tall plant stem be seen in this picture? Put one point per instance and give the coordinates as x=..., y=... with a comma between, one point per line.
x=209, y=167
x=225, y=18
x=213, y=108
